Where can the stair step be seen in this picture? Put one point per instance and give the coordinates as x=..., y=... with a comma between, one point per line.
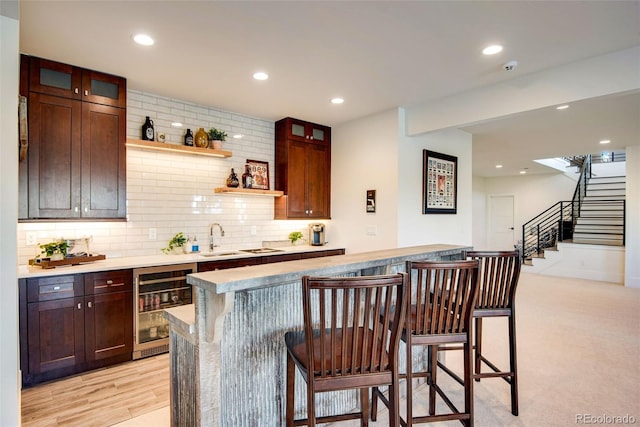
x=606, y=185
x=607, y=179
x=590, y=241
x=598, y=229
x=596, y=220
x=592, y=213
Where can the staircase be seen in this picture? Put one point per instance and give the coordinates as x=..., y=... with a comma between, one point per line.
x=594, y=216
x=600, y=218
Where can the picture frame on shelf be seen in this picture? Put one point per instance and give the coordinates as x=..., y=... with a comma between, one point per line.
x=439, y=183
x=260, y=173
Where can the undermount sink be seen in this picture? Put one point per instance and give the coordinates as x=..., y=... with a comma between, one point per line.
x=261, y=250
x=212, y=254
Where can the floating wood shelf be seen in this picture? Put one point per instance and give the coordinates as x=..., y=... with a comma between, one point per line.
x=248, y=191
x=175, y=148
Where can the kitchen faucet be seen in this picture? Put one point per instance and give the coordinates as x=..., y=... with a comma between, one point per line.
x=211, y=245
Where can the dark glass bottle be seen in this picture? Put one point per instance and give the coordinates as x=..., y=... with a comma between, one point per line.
x=232, y=180
x=247, y=178
x=188, y=138
x=148, y=133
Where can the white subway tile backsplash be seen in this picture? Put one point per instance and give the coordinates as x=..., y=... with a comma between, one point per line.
x=174, y=192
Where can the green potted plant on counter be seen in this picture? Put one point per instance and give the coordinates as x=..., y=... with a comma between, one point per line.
x=295, y=236
x=56, y=250
x=217, y=137
x=176, y=244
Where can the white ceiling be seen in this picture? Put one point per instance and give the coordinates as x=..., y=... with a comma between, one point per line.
x=376, y=54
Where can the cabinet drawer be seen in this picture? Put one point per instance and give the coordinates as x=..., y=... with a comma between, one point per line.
x=53, y=288
x=108, y=281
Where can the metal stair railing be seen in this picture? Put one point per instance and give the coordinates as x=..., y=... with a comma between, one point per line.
x=545, y=230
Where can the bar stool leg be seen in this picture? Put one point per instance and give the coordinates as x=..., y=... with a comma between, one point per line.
x=433, y=370
x=468, y=384
x=513, y=364
x=478, y=343
x=291, y=379
x=364, y=407
x=409, y=383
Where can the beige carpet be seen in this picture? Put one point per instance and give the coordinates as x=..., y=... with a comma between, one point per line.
x=578, y=358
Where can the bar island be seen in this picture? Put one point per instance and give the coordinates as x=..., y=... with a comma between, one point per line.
x=227, y=349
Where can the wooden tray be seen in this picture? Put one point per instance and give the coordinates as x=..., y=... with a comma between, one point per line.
x=75, y=260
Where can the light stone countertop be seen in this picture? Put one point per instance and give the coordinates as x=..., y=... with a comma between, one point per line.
x=27, y=271
x=265, y=275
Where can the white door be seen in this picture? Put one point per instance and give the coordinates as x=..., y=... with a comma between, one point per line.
x=501, y=231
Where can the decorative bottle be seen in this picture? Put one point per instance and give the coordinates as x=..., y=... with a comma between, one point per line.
x=194, y=245
x=201, y=139
x=188, y=138
x=232, y=180
x=148, y=133
x=247, y=178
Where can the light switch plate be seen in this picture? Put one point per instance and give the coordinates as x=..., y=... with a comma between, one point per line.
x=254, y=230
x=153, y=233
x=372, y=230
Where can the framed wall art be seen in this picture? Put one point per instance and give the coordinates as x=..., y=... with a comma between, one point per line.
x=260, y=173
x=439, y=183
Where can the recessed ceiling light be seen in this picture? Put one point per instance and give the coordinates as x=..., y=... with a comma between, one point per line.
x=176, y=124
x=605, y=141
x=523, y=172
x=260, y=75
x=492, y=50
x=143, y=39
x=562, y=107
x=498, y=166
x=237, y=136
x=337, y=101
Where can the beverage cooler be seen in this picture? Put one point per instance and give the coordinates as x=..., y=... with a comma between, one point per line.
x=157, y=288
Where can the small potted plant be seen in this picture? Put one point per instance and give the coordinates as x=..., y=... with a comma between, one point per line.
x=56, y=250
x=217, y=137
x=294, y=236
x=176, y=244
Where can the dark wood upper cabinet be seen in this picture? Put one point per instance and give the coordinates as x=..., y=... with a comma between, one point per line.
x=75, y=166
x=54, y=78
x=302, y=170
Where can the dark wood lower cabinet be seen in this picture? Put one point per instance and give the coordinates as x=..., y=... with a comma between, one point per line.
x=76, y=322
x=56, y=337
x=69, y=324
x=108, y=328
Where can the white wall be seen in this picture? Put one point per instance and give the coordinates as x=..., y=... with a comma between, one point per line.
x=414, y=227
x=9, y=57
x=364, y=156
x=532, y=195
x=632, y=239
x=479, y=208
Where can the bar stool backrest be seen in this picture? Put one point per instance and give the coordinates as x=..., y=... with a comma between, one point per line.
x=353, y=324
x=443, y=297
x=498, y=276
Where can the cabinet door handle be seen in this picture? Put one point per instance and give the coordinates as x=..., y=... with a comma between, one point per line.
x=76, y=209
x=86, y=93
x=310, y=212
x=79, y=306
x=76, y=90
x=89, y=304
x=56, y=288
x=109, y=282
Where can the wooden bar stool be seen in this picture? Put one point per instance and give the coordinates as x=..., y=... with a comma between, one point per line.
x=350, y=340
x=498, y=276
x=439, y=313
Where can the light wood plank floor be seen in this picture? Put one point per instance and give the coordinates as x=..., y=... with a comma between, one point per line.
x=99, y=398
